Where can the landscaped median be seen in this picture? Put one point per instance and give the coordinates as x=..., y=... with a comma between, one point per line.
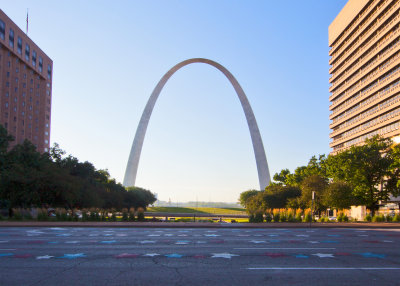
x=198, y=225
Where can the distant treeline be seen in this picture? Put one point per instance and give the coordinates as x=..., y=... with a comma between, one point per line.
x=31, y=179
x=192, y=204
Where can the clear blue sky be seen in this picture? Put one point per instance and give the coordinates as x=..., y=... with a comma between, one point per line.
x=109, y=55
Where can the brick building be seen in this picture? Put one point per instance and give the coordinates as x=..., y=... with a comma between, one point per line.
x=25, y=86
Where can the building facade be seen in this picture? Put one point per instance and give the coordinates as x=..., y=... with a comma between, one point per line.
x=25, y=86
x=364, y=42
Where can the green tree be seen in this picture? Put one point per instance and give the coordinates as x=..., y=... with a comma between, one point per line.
x=314, y=183
x=246, y=195
x=281, y=177
x=316, y=166
x=338, y=195
x=278, y=196
x=370, y=169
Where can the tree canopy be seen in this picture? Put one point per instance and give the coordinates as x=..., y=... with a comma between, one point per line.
x=365, y=174
x=29, y=178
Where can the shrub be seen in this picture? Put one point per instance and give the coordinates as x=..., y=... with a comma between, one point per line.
x=345, y=218
x=140, y=214
x=131, y=215
x=389, y=218
x=307, y=216
x=396, y=218
x=299, y=214
x=61, y=214
x=27, y=215
x=42, y=215
x=17, y=215
x=378, y=218
x=276, y=215
x=368, y=218
x=113, y=216
x=93, y=214
x=268, y=217
x=124, y=214
x=259, y=217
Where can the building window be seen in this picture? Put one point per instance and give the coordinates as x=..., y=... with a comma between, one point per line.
x=46, y=141
x=27, y=52
x=49, y=72
x=19, y=45
x=47, y=125
x=2, y=29
x=46, y=150
x=6, y=104
x=7, y=94
x=34, y=58
x=40, y=64
x=11, y=38
x=46, y=133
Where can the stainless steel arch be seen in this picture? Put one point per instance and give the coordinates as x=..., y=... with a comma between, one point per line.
x=134, y=156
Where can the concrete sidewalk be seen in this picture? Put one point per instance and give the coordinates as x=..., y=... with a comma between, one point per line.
x=196, y=224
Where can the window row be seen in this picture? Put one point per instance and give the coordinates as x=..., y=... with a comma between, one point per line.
x=11, y=40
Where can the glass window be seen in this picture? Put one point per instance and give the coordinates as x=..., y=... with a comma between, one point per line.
x=6, y=104
x=40, y=64
x=11, y=38
x=27, y=52
x=19, y=45
x=49, y=72
x=34, y=58
x=2, y=29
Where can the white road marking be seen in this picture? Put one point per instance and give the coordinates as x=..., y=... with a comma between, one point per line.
x=323, y=268
x=311, y=248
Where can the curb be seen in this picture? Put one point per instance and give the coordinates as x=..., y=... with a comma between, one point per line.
x=196, y=225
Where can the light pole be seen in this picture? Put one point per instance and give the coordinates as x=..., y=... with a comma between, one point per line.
x=312, y=206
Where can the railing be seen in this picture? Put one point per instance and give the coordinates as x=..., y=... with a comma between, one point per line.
x=367, y=46
x=380, y=59
x=351, y=27
x=382, y=118
x=363, y=82
x=368, y=56
x=394, y=87
x=366, y=32
x=359, y=140
x=379, y=82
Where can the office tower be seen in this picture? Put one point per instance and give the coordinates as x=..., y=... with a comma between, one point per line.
x=365, y=72
x=25, y=86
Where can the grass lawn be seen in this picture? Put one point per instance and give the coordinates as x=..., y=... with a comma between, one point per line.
x=233, y=211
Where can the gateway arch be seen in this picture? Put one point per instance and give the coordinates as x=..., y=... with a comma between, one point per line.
x=134, y=156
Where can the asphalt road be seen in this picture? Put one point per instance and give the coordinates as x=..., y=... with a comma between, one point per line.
x=162, y=256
